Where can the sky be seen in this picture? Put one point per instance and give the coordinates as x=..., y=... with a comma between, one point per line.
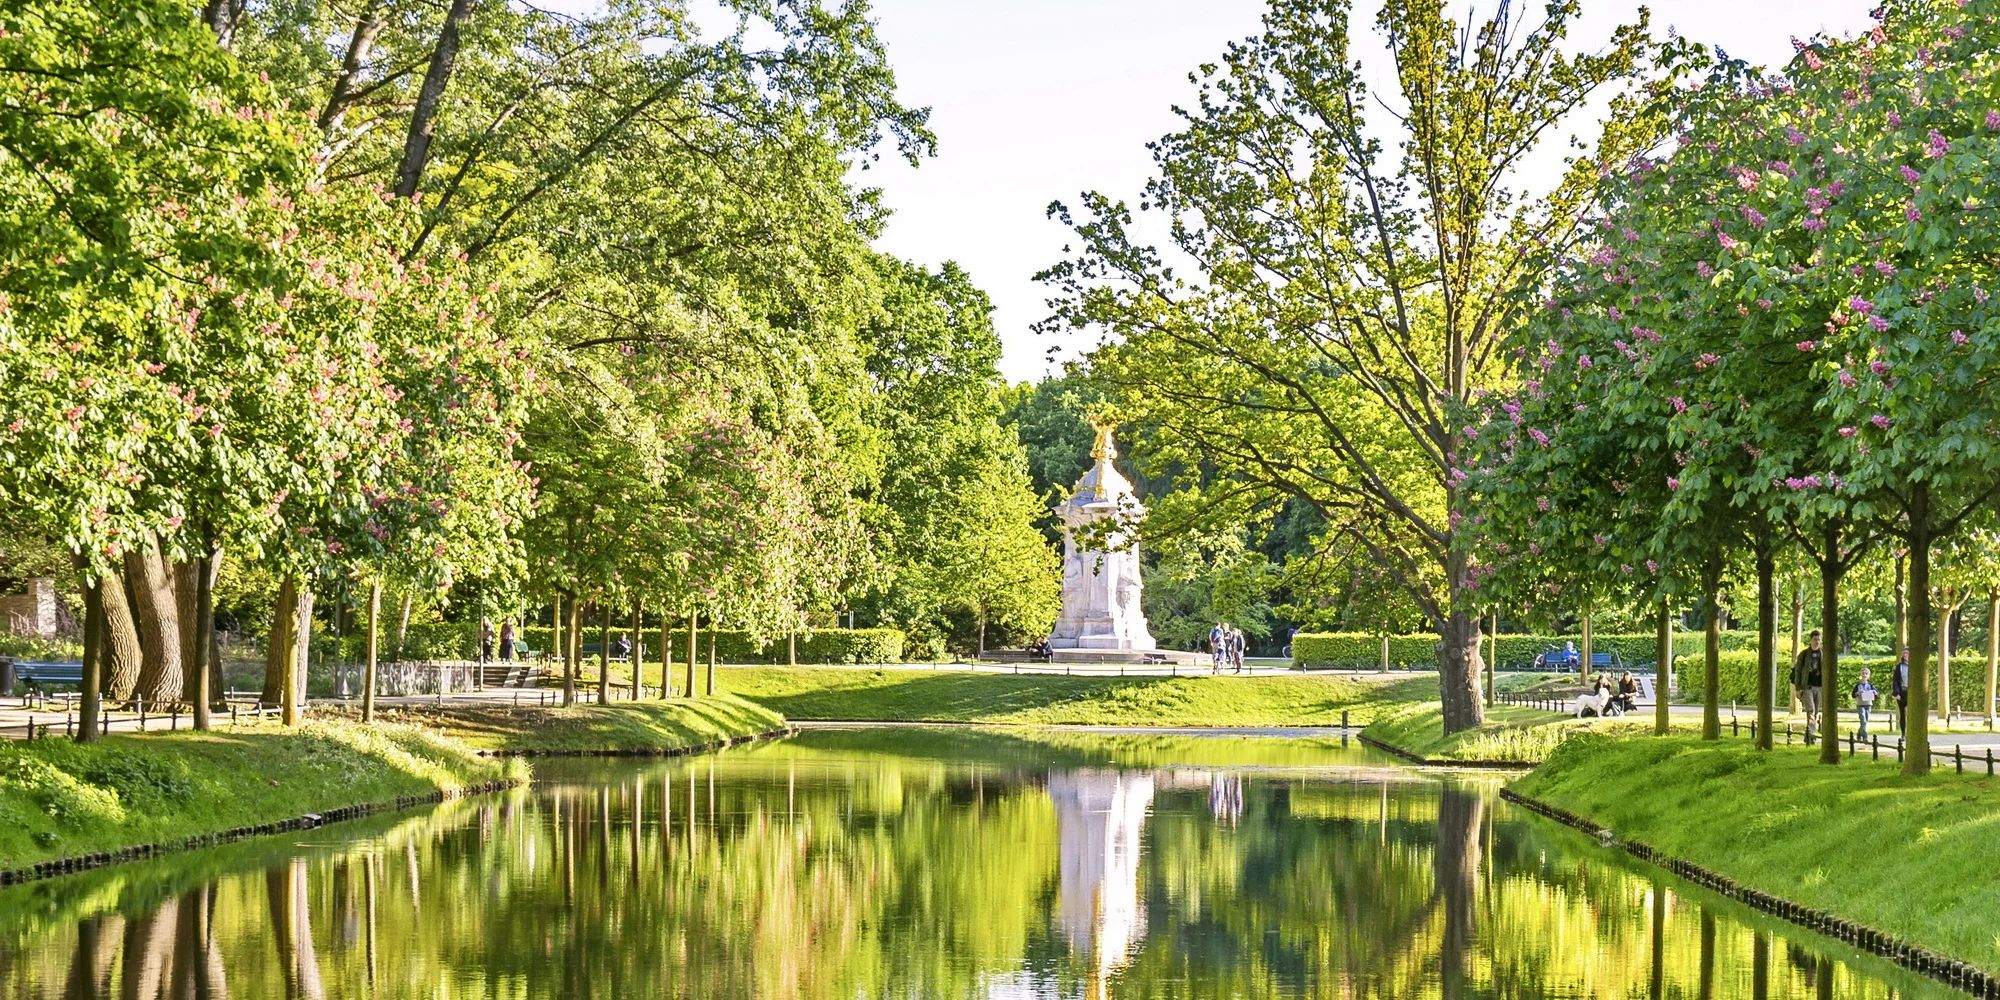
x=1037, y=100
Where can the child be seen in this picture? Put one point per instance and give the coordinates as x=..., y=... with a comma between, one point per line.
x=1864, y=701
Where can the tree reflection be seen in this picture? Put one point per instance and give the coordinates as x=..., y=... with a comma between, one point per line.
x=804, y=870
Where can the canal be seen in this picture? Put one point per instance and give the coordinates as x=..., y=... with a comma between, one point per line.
x=929, y=863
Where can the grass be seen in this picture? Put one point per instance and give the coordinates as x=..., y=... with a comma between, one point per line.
x=643, y=725
x=61, y=799
x=1909, y=856
x=1512, y=733
x=823, y=693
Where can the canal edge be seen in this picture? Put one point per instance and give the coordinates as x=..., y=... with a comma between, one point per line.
x=1942, y=968
x=78, y=864
x=1423, y=761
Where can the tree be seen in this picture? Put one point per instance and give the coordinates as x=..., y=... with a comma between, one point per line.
x=1350, y=302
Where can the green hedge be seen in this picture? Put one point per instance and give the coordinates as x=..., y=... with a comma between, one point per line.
x=457, y=641
x=1361, y=651
x=1737, y=673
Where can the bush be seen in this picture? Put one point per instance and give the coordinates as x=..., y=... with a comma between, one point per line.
x=1361, y=651
x=1737, y=675
x=458, y=641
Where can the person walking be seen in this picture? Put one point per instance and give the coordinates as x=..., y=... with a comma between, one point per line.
x=1217, y=637
x=1864, y=702
x=507, y=641
x=1899, y=685
x=485, y=638
x=1237, y=644
x=1806, y=680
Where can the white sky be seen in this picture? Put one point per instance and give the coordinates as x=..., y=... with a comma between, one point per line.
x=1038, y=100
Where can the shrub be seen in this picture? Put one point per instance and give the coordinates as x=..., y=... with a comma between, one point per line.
x=1737, y=675
x=458, y=641
x=1361, y=651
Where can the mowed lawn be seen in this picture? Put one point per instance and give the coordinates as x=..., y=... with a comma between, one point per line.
x=1910, y=856
x=842, y=693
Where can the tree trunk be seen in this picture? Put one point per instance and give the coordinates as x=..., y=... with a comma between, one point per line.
x=638, y=654
x=159, y=624
x=694, y=626
x=1586, y=648
x=423, y=120
x=1767, y=637
x=1459, y=665
x=373, y=650
x=1492, y=654
x=1944, y=651
x=121, y=659
x=1798, y=635
x=1663, y=668
x=278, y=649
x=1917, y=737
x=295, y=691
x=666, y=655
x=1711, y=679
x=573, y=650
x=556, y=647
x=1902, y=610
x=222, y=16
x=403, y=623
x=1992, y=653
x=199, y=647
x=604, y=653
x=711, y=661
x=792, y=650
x=1829, y=644
x=359, y=45
x=93, y=662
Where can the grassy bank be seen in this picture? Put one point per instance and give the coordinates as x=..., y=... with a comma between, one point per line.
x=1908, y=856
x=1511, y=732
x=62, y=799
x=965, y=696
x=643, y=725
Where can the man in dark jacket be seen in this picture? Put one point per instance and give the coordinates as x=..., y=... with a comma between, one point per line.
x=1806, y=681
x=1899, y=685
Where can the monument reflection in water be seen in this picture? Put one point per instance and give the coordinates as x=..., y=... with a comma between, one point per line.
x=927, y=864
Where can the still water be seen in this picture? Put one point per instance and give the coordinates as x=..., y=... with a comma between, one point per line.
x=928, y=863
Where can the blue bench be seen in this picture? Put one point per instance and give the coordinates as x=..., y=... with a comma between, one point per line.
x=41, y=675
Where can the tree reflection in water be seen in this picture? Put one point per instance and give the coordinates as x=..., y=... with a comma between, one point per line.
x=926, y=864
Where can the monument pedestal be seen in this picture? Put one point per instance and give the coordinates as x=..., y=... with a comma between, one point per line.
x=1101, y=587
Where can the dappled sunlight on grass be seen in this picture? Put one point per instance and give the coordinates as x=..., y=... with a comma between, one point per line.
x=1907, y=855
x=966, y=696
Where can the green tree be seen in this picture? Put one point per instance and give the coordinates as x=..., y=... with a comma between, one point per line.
x=1350, y=301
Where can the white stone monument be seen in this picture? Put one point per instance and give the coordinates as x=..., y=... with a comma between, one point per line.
x=1100, y=586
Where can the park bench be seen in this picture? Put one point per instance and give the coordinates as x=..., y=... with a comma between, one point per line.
x=591, y=649
x=39, y=675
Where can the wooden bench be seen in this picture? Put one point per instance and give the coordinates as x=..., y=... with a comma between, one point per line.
x=42, y=675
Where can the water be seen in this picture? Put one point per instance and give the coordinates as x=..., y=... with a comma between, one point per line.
x=925, y=863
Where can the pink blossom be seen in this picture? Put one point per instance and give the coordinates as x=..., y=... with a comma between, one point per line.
x=1847, y=432
x=1878, y=323
x=1701, y=267
x=1847, y=379
x=1705, y=360
x=1895, y=120
x=1980, y=293
x=1583, y=361
x=1938, y=147
x=1806, y=345
x=1728, y=242
x=1614, y=313
x=1680, y=405
x=1815, y=225
x=1652, y=567
x=1879, y=421
x=1626, y=568
x=1910, y=175
x=1755, y=217
x=1884, y=268
x=1763, y=303
x=1540, y=438
x=1958, y=337
x=1599, y=539
x=1794, y=136
x=1993, y=119
x=1673, y=483
x=1860, y=305
x=1534, y=548
x=1913, y=213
